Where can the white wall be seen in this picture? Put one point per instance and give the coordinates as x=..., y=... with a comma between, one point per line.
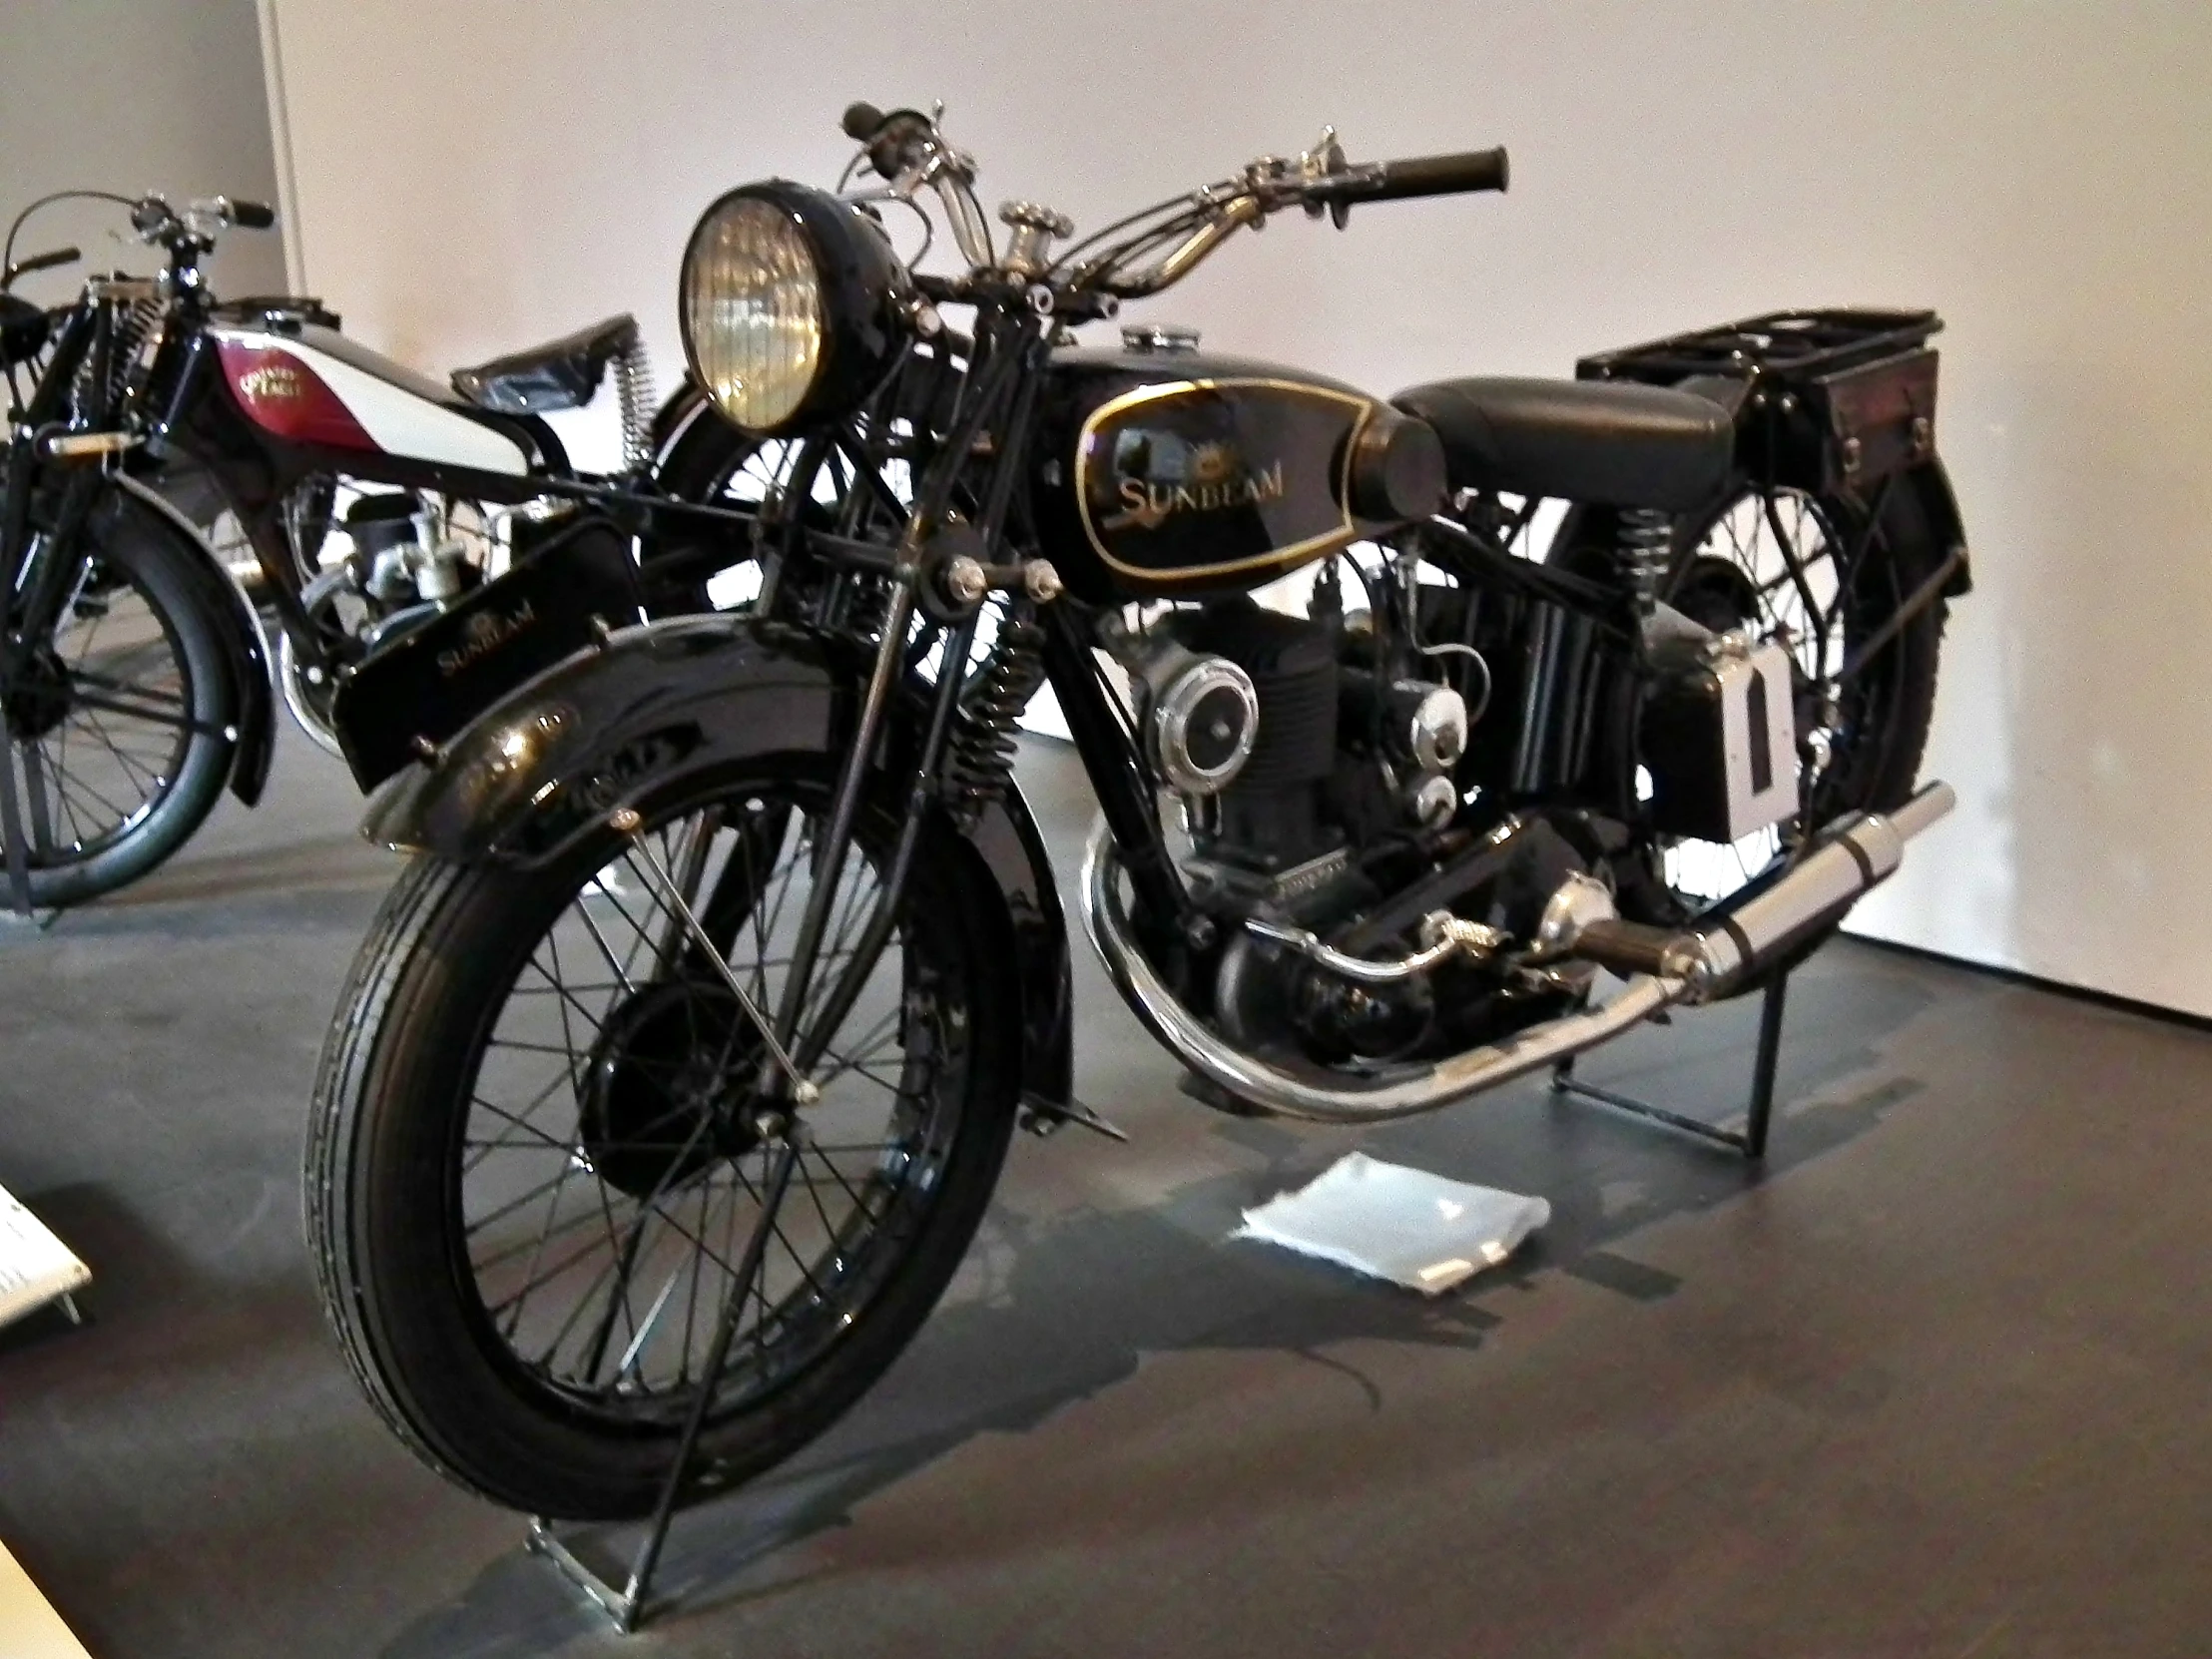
x=131, y=96
x=473, y=174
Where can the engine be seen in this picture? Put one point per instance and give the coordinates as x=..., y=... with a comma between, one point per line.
x=1318, y=778
x=1291, y=747
x=1386, y=874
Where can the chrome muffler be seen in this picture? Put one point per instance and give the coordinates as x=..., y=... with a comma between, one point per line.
x=1847, y=860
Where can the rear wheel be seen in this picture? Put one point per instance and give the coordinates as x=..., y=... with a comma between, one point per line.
x=123, y=718
x=689, y=567
x=1821, y=576
x=539, y=1166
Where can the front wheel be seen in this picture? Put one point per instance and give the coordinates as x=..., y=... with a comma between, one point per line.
x=122, y=716
x=538, y=1169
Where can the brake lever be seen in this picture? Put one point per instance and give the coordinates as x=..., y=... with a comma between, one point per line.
x=1323, y=161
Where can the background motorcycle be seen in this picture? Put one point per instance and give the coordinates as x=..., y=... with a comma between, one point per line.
x=675, y=1077
x=139, y=678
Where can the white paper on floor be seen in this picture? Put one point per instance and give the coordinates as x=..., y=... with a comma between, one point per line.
x=1404, y=1225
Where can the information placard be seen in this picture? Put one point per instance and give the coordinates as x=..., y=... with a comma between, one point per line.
x=35, y=1267
x=29, y=1628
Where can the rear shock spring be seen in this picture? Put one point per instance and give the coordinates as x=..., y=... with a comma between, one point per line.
x=979, y=750
x=1646, y=552
x=634, y=389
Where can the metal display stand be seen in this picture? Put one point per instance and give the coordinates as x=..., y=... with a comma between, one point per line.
x=628, y=1606
x=18, y=870
x=1751, y=1140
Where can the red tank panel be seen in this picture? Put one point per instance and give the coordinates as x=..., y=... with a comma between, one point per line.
x=282, y=395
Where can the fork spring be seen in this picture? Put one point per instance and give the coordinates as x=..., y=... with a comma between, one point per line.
x=979, y=758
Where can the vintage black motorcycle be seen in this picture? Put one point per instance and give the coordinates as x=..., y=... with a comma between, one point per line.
x=677, y=1073
x=133, y=675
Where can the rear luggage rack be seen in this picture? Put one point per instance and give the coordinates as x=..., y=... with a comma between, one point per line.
x=1791, y=345
x=1848, y=395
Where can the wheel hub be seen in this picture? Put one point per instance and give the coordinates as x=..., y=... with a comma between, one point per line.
x=668, y=1086
x=1716, y=594
x=40, y=699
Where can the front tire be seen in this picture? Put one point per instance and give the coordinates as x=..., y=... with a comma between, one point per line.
x=531, y=1130
x=123, y=721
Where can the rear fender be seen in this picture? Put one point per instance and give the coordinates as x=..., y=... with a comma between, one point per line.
x=1587, y=534
x=1930, y=484
x=627, y=724
x=244, y=645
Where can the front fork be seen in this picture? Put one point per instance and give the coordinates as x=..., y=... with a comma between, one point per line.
x=46, y=579
x=1011, y=380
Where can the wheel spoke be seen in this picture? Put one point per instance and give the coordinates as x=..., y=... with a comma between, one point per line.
x=607, y=1274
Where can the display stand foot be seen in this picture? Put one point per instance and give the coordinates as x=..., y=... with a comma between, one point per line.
x=17, y=853
x=628, y=1606
x=1751, y=1140
x=623, y=1606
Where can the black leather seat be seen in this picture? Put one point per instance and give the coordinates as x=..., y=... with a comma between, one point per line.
x=560, y=374
x=23, y=329
x=1613, y=444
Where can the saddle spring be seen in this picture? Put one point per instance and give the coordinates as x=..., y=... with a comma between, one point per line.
x=633, y=372
x=133, y=325
x=1646, y=552
x=979, y=750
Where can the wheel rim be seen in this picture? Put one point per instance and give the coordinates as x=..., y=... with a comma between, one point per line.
x=610, y=1178
x=102, y=718
x=759, y=473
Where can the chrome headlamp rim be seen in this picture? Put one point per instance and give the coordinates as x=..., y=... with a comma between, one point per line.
x=862, y=289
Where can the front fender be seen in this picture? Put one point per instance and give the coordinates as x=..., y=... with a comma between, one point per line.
x=627, y=722
x=610, y=727
x=244, y=645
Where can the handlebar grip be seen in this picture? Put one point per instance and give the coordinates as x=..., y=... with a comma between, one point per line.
x=1472, y=170
x=894, y=142
x=44, y=262
x=252, y=216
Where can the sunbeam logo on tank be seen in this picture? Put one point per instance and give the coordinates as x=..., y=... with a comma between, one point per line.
x=272, y=382
x=1212, y=476
x=485, y=634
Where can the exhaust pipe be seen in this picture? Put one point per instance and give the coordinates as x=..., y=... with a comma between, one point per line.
x=1849, y=858
x=1761, y=924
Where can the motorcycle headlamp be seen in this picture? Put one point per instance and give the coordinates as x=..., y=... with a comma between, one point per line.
x=789, y=305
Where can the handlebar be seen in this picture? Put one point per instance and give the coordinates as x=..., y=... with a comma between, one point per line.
x=196, y=223
x=1161, y=245
x=1416, y=176
x=37, y=263
x=898, y=142
x=248, y=215
x=908, y=153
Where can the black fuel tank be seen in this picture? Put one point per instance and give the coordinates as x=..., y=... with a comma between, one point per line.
x=1161, y=475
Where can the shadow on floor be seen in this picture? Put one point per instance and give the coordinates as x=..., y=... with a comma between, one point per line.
x=1071, y=1307
x=323, y=864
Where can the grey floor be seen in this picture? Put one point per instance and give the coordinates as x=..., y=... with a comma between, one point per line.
x=1932, y=1382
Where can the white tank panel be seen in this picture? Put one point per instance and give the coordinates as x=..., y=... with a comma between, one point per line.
x=397, y=420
